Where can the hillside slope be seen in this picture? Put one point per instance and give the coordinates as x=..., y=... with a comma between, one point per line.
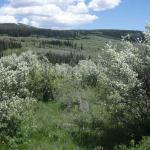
x=17, y=30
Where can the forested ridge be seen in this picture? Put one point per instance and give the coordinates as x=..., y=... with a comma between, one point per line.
x=18, y=30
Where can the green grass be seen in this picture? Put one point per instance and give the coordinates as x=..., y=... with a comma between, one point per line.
x=47, y=131
x=92, y=45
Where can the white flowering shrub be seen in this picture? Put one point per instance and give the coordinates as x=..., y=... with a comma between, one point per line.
x=118, y=67
x=127, y=74
x=13, y=75
x=63, y=71
x=12, y=112
x=86, y=72
x=14, y=94
x=41, y=82
x=147, y=34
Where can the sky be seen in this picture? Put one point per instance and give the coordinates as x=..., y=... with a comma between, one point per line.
x=77, y=14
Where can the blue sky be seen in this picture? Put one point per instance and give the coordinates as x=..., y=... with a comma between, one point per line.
x=83, y=14
x=130, y=14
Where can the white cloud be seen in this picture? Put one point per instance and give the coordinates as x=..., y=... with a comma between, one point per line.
x=51, y=13
x=25, y=21
x=99, y=5
x=7, y=19
x=81, y=7
x=74, y=19
x=35, y=24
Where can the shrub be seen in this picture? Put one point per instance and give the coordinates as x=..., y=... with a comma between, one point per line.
x=12, y=113
x=143, y=145
x=87, y=73
x=127, y=77
x=41, y=83
x=14, y=100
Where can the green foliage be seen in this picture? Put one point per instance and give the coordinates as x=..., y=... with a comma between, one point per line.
x=143, y=145
x=12, y=113
x=71, y=59
x=9, y=44
x=14, y=100
x=87, y=73
x=127, y=77
x=72, y=97
x=58, y=43
x=97, y=128
x=46, y=129
x=41, y=83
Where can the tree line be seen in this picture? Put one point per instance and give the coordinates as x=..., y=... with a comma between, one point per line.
x=71, y=58
x=60, y=43
x=9, y=44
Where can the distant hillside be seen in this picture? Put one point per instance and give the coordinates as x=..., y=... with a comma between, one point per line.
x=17, y=30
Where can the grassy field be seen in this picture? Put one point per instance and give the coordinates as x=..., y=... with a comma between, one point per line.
x=92, y=45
